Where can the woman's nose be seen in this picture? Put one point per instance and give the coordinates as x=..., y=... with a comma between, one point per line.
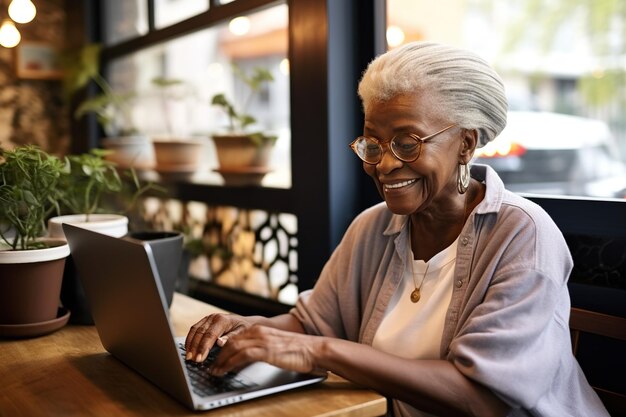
x=388, y=161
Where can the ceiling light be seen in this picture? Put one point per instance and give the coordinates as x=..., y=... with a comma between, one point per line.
x=395, y=36
x=9, y=35
x=22, y=11
x=284, y=66
x=239, y=26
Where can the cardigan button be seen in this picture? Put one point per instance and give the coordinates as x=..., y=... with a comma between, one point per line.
x=459, y=283
x=465, y=241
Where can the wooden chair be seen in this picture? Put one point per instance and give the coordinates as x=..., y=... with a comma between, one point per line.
x=585, y=321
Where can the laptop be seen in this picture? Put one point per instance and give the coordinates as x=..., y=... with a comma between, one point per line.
x=128, y=306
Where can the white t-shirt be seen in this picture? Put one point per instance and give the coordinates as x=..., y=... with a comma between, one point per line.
x=414, y=330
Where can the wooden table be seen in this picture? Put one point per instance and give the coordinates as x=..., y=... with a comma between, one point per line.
x=68, y=373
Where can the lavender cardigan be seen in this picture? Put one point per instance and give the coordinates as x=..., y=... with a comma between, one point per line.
x=507, y=323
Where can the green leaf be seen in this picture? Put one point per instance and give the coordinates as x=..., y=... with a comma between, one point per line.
x=95, y=104
x=80, y=66
x=220, y=100
x=90, y=59
x=246, y=120
x=166, y=82
x=29, y=197
x=259, y=76
x=259, y=138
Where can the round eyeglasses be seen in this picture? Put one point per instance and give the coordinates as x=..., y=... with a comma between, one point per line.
x=404, y=146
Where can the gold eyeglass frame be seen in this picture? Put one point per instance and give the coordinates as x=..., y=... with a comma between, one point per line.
x=417, y=139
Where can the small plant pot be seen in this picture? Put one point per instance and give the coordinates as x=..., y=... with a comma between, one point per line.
x=130, y=151
x=109, y=224
x=238, y=152
x=242, y=159
x=177, y=156
x=72, y=292
x=167, y=249
x=30, y=285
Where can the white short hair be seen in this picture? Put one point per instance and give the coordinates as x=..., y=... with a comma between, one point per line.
x=468, y=88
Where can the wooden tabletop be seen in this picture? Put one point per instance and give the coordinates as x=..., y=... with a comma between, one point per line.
x=68, y=373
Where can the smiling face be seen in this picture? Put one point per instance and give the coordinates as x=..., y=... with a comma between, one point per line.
x=430, y=181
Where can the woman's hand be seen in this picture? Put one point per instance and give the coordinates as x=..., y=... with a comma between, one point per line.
x=284, y=349
x=211, y=329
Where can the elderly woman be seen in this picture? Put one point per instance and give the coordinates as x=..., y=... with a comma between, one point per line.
x=450, y=298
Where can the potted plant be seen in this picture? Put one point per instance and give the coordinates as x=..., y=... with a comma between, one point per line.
x=243, y=154
x=112, y=109
x=31, y=267
x=174, y=153
x=90, y=178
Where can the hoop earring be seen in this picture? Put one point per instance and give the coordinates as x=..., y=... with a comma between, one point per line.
x=463, y=178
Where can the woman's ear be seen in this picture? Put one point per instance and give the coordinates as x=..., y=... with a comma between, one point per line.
x=468, y=145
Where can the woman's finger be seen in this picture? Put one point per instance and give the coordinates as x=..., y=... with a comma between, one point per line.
x=203, y=335
x=215, y=328
x=192, y=332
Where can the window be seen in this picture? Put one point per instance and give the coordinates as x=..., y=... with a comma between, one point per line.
x=560, y=61
x=202, y=61
x=198, y=50
x=124, y=19
x=168, y=12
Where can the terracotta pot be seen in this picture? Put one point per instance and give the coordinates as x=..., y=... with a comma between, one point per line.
x=177, y=155
x=130, y=151
x=243, y=160
x=30, y=283
x=237, y=152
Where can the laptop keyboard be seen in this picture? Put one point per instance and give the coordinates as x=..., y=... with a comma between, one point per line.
x=205, y=384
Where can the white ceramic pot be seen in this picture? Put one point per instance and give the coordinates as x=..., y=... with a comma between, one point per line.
x=114, y=225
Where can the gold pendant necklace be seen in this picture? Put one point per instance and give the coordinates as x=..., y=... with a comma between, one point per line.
x=416, y=293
